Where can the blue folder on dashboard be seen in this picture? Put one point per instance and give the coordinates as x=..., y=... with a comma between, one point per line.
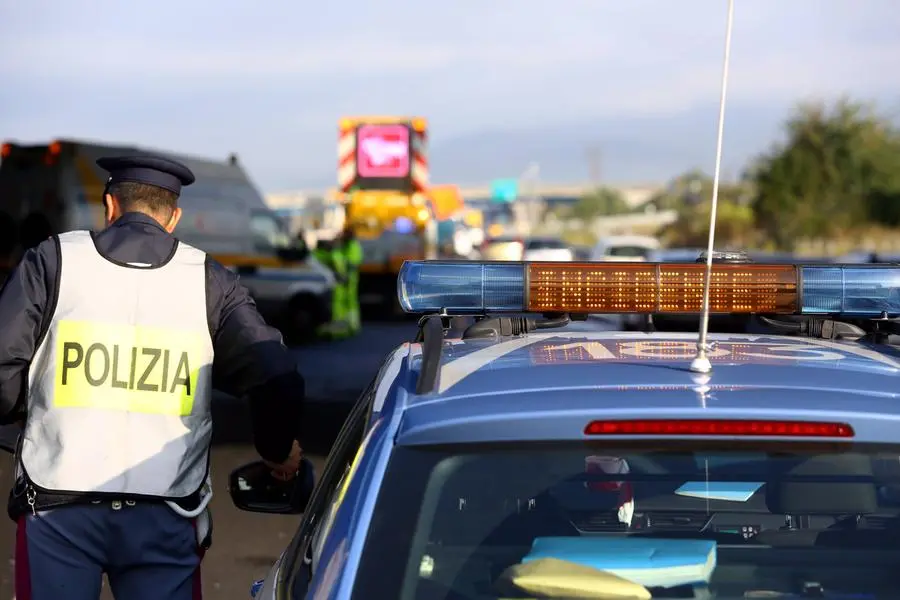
x=734, y=491
x=650, y=562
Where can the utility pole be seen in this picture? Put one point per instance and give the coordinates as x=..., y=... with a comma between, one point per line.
x=594, y=156
x=530, y=177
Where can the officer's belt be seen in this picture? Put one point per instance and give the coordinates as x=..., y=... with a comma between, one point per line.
x=116, y=504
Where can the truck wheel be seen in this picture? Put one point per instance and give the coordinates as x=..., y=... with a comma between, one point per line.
x=303, y=316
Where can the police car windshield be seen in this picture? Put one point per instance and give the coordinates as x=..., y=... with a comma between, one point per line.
x=679, y=521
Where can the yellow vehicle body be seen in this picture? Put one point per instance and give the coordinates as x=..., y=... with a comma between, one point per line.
x=374, y=215
x=473, y=218
x=383, y=180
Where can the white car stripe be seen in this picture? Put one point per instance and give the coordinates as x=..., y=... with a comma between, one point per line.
x=457, y=370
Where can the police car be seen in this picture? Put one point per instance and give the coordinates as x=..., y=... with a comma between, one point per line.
x=508, y=455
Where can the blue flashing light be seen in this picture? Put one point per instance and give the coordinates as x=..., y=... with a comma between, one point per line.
x=464, y=287
x=865, y=291
x=461, y=287
x=404, y=225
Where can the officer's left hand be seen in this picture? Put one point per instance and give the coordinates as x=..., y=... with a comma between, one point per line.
x=283, y=476
x=287, y=470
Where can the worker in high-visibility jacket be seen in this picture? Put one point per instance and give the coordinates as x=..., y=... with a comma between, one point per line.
x=353, y=256
x=330, y=254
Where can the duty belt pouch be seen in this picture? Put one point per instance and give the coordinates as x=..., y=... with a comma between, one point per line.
x=203, y=525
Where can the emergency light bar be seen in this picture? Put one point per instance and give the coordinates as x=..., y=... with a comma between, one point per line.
x=472, y=287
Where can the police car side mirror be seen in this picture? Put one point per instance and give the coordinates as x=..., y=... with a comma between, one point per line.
x=253, y=488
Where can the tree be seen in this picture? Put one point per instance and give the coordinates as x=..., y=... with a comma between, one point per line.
x=734, y=226
x=601, y=202
x=690, y=194
x=838, y=169
x=686, y=188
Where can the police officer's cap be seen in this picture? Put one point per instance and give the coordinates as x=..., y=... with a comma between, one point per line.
x=150, y=170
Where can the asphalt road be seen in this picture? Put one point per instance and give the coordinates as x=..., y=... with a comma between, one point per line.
x=245, y=545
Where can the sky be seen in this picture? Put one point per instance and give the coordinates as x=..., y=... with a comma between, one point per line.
x=502, y=82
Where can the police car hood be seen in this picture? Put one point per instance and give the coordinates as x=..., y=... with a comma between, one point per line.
x=635, y=361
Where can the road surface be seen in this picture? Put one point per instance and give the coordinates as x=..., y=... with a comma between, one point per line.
x=245, y=545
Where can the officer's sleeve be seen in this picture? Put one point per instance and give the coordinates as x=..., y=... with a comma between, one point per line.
x=25, y=311
x=252, y=361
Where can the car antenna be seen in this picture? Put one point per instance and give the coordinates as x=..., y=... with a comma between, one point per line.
x=701, y=363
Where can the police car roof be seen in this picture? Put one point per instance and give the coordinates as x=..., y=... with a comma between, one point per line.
x=549, y=385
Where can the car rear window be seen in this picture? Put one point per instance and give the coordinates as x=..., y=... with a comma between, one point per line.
x=671, y=521
x=628, y=251
x=545, y=244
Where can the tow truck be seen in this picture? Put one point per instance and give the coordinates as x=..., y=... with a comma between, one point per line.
x=383, y=180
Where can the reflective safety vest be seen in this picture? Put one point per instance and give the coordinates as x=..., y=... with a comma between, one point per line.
x=120, y=387
x=354, y=253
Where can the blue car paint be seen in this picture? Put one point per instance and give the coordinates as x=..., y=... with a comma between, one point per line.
x=541, y=391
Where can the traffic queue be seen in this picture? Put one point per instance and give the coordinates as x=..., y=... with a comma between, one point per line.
x=503, y=452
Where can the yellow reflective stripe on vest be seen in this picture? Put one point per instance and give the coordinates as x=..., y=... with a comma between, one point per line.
x=128, y=368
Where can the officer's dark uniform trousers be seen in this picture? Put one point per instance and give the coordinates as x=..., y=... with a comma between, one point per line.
x=65, y=548
x=146, y=549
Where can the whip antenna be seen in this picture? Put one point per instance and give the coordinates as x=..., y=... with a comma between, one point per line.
x=701, y=363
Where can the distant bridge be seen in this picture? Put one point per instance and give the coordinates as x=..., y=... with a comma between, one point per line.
x=635, y=194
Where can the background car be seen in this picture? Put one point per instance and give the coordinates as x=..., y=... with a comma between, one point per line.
x=624, y=248
x=502, y=248
x=547, y=249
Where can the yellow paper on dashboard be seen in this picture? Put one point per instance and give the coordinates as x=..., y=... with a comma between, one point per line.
x=554, y=578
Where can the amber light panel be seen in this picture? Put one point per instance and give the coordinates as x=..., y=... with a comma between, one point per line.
x=660, y=288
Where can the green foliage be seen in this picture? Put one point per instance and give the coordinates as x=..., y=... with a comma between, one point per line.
x=836, y=176
x=580, y=217
x=690, y=195
x=837, y=171
x=831, y=183
x=601, y=202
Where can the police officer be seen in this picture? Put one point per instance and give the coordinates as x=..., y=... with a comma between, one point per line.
x=111, y=344
x=353, y=255
x=336, y=261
